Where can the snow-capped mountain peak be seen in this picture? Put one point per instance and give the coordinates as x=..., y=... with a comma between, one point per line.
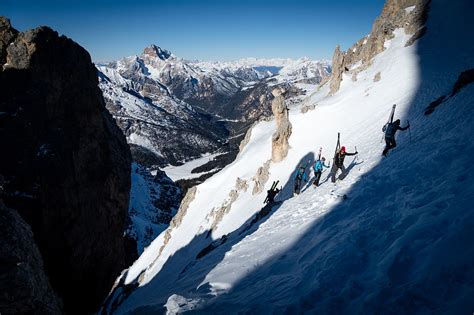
x=155, y=51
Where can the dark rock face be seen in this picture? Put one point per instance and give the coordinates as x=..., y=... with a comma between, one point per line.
x=23, y=283
x=408, y=14
x=154, y=201
x=65, y=162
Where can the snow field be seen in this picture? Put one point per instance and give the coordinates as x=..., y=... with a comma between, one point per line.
x=400, y=243
x=346, y=112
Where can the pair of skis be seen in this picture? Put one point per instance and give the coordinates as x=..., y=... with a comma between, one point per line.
x=275, y=183
x=390, y=120
x=338, y=146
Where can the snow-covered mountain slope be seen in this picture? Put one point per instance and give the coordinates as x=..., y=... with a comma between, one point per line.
x=150, y=96
x=180, y=110
x=283, y=70
x=400, y=241
x=152, y=118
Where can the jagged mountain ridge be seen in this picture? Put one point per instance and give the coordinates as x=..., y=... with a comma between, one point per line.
x=199, y=105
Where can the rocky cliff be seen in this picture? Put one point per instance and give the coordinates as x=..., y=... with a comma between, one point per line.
x=407, y=14
x=280, y=138
x=23, y=283
x=65, y=162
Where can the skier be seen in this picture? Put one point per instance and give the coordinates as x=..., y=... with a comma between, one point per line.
x=300, y=175
x=271, y=193
x=318, y=169
x=339, y=162
x=390, y=130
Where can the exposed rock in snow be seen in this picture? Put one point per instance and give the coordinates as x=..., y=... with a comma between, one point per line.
x=337, y=70
x=280, y=138
x=307, y=108
x=178, y=218
x=377, y=76
x=394, y=15
x=261, y=178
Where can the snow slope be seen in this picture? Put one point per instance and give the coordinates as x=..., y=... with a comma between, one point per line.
x=401, y=242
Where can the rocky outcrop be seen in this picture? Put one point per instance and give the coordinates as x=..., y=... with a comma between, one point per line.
x=218, y=213
x=178, y=218
x=24, y=287
x=7, y=35
x=65, y=162
x=261, y=178
x=337, y=70
x=377, y=77
x=307, y=107
x=408, y=14
x=280, y=138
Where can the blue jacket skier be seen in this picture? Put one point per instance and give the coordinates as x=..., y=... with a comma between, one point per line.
x=300, y=175
x=390, y=132
x=318, y=170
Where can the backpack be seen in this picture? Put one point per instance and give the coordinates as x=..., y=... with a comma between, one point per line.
x=390, y=130
x=318, y=166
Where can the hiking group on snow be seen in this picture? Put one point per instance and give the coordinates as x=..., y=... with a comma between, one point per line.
x=300, y=175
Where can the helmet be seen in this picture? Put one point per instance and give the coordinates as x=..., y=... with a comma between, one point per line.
x=323, y=159
x=397, y=122
x=343, y=149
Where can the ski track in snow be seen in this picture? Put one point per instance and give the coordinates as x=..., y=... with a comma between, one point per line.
x=400, y=242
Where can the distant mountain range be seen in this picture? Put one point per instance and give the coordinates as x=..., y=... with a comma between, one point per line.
x=179, y=109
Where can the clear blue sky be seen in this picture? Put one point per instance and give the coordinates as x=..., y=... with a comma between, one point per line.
x=202, y=29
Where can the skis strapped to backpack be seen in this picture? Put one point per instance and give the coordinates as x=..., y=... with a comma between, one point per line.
x=319, y=154
x=392, y=113
x=338, y=144
x=389, y=121
x=275, y=183
x=390, y=118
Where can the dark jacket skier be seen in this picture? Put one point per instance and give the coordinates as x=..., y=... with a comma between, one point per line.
x=318, y=169
x=339, y=162
x=390, y=132
x=271, y=193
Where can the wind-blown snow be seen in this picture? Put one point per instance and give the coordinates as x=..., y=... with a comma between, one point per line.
x=400, y=242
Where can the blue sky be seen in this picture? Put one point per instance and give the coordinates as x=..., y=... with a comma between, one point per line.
x=204, y=29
